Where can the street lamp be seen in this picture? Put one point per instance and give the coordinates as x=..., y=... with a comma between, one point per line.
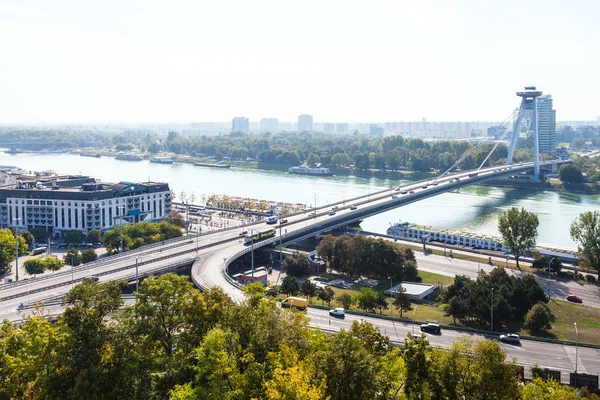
x=17, y=249
x=121, y=226
x=492, y=314
x=72, y=264
x=137, y=280
x=252, y=252
x=414, y=311
x=478, y=260
x=576, y=351
x=550, y=263
x=392, y=296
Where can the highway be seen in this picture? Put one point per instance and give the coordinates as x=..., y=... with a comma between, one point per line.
x=546, y=355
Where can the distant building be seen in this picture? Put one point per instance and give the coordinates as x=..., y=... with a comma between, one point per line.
x=62, y=203
x=546, y=124
x=269, y=125
x=305, y=122
x=328, y=127
x=240, y=124
x=341, y=128
x=375, y=130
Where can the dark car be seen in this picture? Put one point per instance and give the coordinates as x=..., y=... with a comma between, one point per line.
x=574, y=298
x=434, y=328
x=283, y=221
x=510, y=338
x=353, y=208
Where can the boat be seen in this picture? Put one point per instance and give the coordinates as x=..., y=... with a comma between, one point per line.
x=128, y=157
x=162, y=160
x=95, y=155
x=212, y=165
x=306, y=170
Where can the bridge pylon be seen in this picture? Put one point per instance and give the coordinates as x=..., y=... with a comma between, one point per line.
x=528, y=107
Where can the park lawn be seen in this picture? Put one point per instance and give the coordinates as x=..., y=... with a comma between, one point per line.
x=565, y=315
x=433, y=279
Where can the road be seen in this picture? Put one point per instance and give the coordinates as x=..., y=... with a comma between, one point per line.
x=546, y=355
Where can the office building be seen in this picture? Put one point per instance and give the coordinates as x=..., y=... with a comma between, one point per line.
x=546, y=124
x=305, y=122
x=375, y=130
x=328, y=127
x=240, y=124
x=62, y=203
x=341, y=128
x=269, y=125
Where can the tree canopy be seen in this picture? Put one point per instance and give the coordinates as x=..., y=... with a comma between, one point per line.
x=519, y=230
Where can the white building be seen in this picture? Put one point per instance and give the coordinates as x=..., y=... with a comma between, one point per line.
x=305, y=122
x=269, y=125
x=80, y=203
x=240, y=124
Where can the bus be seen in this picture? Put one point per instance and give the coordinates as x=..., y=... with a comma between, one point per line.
x=272, y=219
x=259, y=235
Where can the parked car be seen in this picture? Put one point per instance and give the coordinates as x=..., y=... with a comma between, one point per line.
x=403, y=192
x=412, y=191
x=283, y=221
x=424, y=187
x=243, y=233
x=312, y=214
x=353, y=208
x=331, y=212
x=397, y=189
x=429, y=327
x=394, y=196
x=337, y=312
x=574, y=298
x=510, y=338
x=91, y=278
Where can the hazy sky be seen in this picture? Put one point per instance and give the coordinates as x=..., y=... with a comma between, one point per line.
x=182, y=61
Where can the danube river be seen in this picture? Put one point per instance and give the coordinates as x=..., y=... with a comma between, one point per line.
x=474, y=209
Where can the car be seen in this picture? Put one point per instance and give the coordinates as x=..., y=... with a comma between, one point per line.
x=424, y=187
x=397, y=189
x=283, y=221
x=334, y=208
x=353, y=208
x=412, y=191
x=91, y=278
x=403, y=192
x=574, y=298
x=435, y=184
x=510, y=338
x=243, y=233
x=330, y=213
x=394, y=196
x=63, y=245
x=337, y=312
x=312, y=214
x=429, y=327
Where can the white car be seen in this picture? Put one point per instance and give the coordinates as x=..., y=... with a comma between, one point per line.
x=331, y=212
x=510, y=338
x=337, y=312
x=353, y=208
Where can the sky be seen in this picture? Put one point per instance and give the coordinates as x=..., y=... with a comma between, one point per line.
x=132, y=61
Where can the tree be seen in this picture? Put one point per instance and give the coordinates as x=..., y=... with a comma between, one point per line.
x=73, y=236
x=72, y=257
x=519, y=230
x=585, y=231
x=325, y=295
x=176, y=219
x=29, y=239
x=346, y=300
x=555, y=265
x=93, y=236
x=402, y=301
x=41, y=235
x=290, y=285
x=540, y=263
x=34, y=266
x=540, y=389
x=538, y=318
x=52, y=263
x=88, y=255
x=366, y=299
x=296, y=264
x=570, y=173
x=8, y=249
x=309, y=289
x=313, y=159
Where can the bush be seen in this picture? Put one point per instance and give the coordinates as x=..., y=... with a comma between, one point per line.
x=566, y=274
x=88, y=255
x=590, y=278
x=538, y=318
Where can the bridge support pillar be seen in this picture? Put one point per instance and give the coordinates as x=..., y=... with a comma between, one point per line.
x=528, y=104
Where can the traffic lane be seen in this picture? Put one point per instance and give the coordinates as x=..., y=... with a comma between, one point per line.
x=558, y=288
x=546, y=355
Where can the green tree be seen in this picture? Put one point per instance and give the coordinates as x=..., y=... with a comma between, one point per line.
x=93, y=236
x=402, y=301
x=585, y=231
x=72, y=257
x=88, y=255
x=34, y=266
x=325, y=295
x=73, y=236
x=345, y=299
x=290, y=285
x=540, y=389
x=519, y=230
x=29, y=239
x=313, y=159
x=8, y=249
x=52, y=263
x=538, y=318
x=41, y=235
x=296, y=264
x=366, y=299
x=308, y=289
x=176, y=219
x=570, y=173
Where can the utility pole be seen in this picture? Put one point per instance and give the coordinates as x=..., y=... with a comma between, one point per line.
x=252, y=256
x=137, y=279
x=492, y=316
x=576, y=351
x=17, y=250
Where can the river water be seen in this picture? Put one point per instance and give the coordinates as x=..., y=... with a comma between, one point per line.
x=474, y=209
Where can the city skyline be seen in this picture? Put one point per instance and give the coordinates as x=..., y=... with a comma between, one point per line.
x=154, y=63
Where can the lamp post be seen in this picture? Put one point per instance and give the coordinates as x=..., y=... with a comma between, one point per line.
x=121, y=228
x=137, y=280
x=414, y=311
x=17, y=249
x=72, y=265
x=252, y=253
x=576, y=351
x=550, y=263
x=197, y=238
x=492, y=314
x=392, y=296
x=478, y=260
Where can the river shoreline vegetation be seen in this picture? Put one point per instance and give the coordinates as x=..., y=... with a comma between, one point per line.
x=175, y=342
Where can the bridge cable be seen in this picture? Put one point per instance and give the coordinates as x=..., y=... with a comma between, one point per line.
x=497, y=144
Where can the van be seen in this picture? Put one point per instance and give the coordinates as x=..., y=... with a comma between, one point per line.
x=297, y=302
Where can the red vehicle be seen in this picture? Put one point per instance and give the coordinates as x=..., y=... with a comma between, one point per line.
x=574, y=299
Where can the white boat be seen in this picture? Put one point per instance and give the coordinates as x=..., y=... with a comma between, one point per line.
x=162, y=160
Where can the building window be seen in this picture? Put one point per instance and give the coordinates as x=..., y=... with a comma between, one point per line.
x=28, y=201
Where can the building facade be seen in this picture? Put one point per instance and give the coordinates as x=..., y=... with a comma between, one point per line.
x=240, y=124
x=305, y=122
x=546, y=124
x=269, y=125
x=80, y=203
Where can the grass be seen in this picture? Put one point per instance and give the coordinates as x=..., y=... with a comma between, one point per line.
x=434, y=279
